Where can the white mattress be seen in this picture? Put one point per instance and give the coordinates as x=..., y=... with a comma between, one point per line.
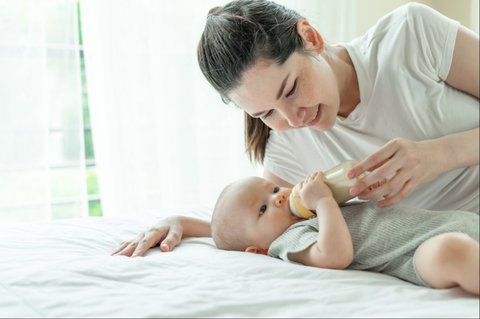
x=64, y=269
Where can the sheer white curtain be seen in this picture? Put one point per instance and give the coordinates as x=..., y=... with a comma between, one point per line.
x=162, y=136
x=335, y=19
x=42, y=171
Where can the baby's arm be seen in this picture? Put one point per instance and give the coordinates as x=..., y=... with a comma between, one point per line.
x=333, y=248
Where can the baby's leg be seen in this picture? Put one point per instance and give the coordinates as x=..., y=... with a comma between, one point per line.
x=448, y=260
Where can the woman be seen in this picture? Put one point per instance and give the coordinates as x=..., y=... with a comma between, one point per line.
x=403, y=97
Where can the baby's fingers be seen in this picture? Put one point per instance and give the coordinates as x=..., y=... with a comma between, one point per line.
x=312, y=177
x=299, y=186
x=319, y=175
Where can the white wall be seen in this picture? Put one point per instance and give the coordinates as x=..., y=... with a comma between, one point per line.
x=369, y=11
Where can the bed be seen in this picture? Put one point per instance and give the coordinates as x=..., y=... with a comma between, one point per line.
x=64, y=269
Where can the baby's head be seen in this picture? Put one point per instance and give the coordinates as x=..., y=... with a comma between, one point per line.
x=250, y=214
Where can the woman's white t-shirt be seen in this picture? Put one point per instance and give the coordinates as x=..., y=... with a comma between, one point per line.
x=401, y=64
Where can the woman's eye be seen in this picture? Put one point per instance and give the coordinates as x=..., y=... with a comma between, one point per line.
x=294, y=88
x=276, y=189
x=263, y=209
x=268, y=114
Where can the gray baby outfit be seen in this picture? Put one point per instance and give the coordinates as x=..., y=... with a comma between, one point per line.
x=384, y=240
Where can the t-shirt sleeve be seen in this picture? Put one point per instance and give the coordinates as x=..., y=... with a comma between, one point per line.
x=295, y=239
x=436, y=36
x=280, y=159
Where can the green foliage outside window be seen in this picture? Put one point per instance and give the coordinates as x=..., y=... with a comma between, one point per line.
x=94, y=203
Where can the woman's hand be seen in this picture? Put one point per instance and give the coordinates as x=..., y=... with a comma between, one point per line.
x=312, y=189
x=405, y=164
x=167, y=232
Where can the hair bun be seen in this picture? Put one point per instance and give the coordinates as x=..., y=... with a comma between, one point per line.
x=215, y=11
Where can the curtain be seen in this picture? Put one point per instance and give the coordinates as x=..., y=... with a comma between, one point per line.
x=336, y=20
x=42, y=168
x=162, y=136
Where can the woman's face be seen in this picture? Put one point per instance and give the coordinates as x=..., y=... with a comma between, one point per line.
x=303, y=92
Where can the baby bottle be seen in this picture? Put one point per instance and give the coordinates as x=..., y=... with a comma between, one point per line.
x=338, y=182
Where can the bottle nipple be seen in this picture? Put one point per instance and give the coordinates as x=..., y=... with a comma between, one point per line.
x=298, y=209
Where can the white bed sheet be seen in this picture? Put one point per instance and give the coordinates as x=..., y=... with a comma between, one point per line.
x=64, y=269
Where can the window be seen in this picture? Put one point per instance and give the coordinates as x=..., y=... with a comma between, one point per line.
x=47, y=163
x=93, y=190
x=66, y=207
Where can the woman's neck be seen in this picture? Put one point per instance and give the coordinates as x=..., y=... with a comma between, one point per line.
x=347, y=80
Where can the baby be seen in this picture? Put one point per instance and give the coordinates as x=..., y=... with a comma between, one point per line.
x=437, y=249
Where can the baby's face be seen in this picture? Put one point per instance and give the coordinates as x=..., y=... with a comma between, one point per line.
x=262, y=209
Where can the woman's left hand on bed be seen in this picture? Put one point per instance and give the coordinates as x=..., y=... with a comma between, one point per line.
x=404, y=164
x=167, y=232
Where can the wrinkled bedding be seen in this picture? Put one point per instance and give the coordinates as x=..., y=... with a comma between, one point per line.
x=64, y=269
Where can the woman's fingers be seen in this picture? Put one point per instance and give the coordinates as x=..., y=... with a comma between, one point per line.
x=386, y=187
x=172, y=239
x=122, y=247
x=127, y=248
x=374, y=161
x=168, y=232
x=373, y=190
x=392, y=191
x=369, y=185
x=406, y=164
x=143, y=242
x=398, y=197
x=151, y=239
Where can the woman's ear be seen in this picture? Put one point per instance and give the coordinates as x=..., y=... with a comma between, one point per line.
x=256, y=250
x=312, y=38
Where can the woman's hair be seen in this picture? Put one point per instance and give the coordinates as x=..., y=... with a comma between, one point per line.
x=235, y=36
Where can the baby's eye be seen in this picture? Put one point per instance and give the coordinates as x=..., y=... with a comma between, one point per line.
x=276, y=189
x=263, y=209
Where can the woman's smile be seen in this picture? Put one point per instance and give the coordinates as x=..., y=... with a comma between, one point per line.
x=317, y=117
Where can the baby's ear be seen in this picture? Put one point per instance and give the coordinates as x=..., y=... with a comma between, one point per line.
x=256, y=250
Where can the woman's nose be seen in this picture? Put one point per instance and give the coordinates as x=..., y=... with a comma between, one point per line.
x=295, y=116
x=280, y=199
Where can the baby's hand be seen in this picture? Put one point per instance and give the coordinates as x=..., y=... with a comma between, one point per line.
x=312, y=190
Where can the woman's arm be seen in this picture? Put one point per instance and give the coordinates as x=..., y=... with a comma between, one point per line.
x=416, y=163
x=168, y=232
x=464, y=75
x=464, y=71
